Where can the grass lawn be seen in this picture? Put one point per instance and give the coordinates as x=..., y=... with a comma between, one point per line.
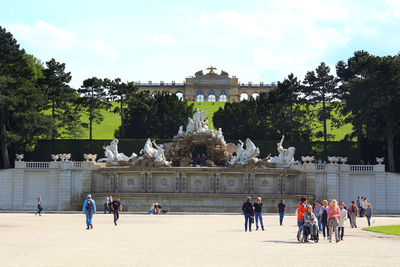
x=387, y=229
x=111, y=122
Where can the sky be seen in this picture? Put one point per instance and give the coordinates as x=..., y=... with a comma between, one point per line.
x=257, y=41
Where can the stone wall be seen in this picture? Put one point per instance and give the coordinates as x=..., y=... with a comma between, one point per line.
x=63, y=186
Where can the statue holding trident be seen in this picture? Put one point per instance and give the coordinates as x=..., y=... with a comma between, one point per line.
x=199, y=117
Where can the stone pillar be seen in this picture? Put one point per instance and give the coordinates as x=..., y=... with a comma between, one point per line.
x=18, y=189
x=143, y=182
x=64, y=186
x=245, y=183
x=218, y=187
x=252, y=181
x=184, y=182
x=6, y=187
x=310, y=183
x=380, y=188
x=332, y=182
x=177, y=181
x=211, y=182
x=149, y=182
x=344, y=187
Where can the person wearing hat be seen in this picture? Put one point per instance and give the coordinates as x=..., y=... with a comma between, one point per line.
x=89, y=208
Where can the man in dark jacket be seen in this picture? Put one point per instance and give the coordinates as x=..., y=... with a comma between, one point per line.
x=258, y=212
x=248, y=210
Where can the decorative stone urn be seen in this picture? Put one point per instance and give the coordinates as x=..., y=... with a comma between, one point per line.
x=380, y=160
x=19, y=156
x=343, y=160
x=65, y=157
x=55, y=157
x=307, y=159
x=333, y=160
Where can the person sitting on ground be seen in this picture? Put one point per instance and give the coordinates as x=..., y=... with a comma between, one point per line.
x=157, y=208
x=151, y=211
x=310, y=224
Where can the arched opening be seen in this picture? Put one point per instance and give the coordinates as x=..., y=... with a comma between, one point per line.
x=199, y=96
x=199, y=154
x=180, y=96
x=255, y=95
x=154, y=94
x=211, y=97
x=244, y=96
x=223, y=97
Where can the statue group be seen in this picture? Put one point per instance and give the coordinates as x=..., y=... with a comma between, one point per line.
x=245, y=153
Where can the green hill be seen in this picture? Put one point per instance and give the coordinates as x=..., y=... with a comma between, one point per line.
x=111, y=122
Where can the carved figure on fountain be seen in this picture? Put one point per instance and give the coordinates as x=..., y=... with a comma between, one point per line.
x=285, y=157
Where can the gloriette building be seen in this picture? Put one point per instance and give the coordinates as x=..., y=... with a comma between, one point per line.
x=209, y=86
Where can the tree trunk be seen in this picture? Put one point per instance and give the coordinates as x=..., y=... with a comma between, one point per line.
x=53, y=132
x=4, y=150
x=91, y=116
x=390, y=148
x=122, y=119
x=325, y=131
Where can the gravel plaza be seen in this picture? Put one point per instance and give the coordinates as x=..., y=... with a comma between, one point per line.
x=183, y=240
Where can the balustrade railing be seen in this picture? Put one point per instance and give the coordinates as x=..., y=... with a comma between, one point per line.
x=77, y=164
x=361, y=168
x=36, y=165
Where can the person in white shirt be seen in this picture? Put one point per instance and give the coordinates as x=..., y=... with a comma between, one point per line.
x=342, y=218
x=364, y=205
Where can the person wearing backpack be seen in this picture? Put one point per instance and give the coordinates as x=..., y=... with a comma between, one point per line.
x=89, y=208
x=248, y=210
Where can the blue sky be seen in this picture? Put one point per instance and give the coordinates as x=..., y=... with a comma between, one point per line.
x=170, y=40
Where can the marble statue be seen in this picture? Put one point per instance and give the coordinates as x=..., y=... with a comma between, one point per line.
x=198, y=118
x=244, y=155
x=112, y=155
x=153, y=151
x=219, y=135
x=180, y=134
x=190, y=126
x=285, y=157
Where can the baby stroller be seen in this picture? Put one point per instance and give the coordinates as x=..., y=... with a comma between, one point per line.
x=304, y=234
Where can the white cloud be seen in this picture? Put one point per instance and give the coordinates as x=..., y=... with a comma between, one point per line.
x=162, y=38
x=101, y=49
x=43, y=34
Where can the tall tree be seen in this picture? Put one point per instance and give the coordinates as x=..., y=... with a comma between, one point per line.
x=93, y=99
x=61, y=98
x=120, y=92
x=370, y=90
x=21, y=99
x=321, y=88
x=155, y=117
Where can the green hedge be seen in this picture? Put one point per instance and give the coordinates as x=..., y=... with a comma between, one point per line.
x=78, y=147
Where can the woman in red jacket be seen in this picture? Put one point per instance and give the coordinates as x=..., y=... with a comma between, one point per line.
x=301, y=209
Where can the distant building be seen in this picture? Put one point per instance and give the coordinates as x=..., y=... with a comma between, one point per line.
x=209, y=87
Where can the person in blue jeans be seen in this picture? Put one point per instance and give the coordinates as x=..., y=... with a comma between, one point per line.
x=248, y=210
x=324, y=218
x=317, y=209
x=258, y=213
x=281, y=209
x=89, y=208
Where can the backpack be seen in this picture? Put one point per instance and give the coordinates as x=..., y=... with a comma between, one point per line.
x=89, y=205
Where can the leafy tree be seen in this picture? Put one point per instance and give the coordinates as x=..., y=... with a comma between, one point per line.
x=120, y=92
x=22, y=101
x=93, y=99
x=321, y=88
x=155, y=117
x=62, y=98
x=370, y=90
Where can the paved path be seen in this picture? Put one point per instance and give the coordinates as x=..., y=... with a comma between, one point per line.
x=182, y=240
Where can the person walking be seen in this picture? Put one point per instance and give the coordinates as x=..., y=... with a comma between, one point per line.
x=116, y=208
x=106, y=204
x=364, y=205
x=353, y=214
x=317, y=209
x=301, y=209
x=109, y=204
x=342, y=218
x=281, y=209
x=39, y=206
x=359, y=208
x=248, y=210
x=323, y=213
x=368, y=213
x=333, y=220
x=258, y=212
x=89, y=208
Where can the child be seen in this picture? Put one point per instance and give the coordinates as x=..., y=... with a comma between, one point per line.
x=39, y=206
x=368, y=213
x=342, y=218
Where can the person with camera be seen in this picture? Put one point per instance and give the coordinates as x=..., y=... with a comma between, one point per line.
x=248, y=211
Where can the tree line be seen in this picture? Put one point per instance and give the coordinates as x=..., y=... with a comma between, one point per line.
x=365, y=92
x=36, y=101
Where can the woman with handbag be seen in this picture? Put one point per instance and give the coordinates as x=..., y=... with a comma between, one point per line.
x=333, y=220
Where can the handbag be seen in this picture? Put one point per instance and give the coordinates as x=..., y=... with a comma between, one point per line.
x=252, y=219
x=333, y=222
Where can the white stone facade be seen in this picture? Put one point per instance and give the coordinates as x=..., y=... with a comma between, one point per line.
x=63, y=185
